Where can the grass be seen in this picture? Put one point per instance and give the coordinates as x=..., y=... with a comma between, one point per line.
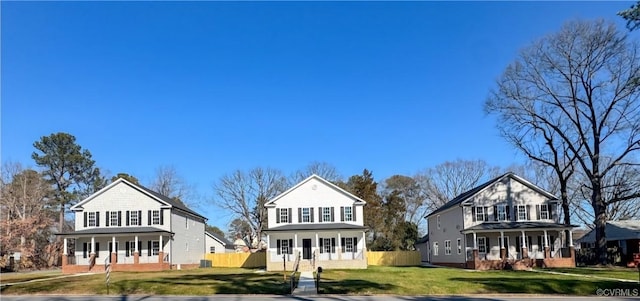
x=617, y=273
x=16, y=277
x=430, y=281
x=174, y=282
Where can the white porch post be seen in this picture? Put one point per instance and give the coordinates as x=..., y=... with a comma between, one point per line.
x=93, y=245
x=364, y=242
x=501, y=239
x=136, y=247
x=570, y=238
x=64, y=249
x=160, y=247
x=295, y=242
x=546, y=239
x=339, y=250
x=524, y=240
x=113, y=244
x=317, y=242
x=475, y=241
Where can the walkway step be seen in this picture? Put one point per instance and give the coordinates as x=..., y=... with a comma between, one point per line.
x=306, y=285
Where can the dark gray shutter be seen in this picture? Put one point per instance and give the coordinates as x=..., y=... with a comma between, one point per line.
x=353, y=213
x=85, y=219
x=488, y=247
x=97, y=218
x=486, y=214
x=332, y=215
x=119, y=218
x=139, y=217
x=473, y=213
x=299, y=215
x=127, y=217
x=321, y=245
x=553, y=211
x=290, y=246
x=106, y=217
x=149, y=218
x=97, y=249
x=84, y=250
x=278, y=246
x=149, y=248
x=540, y=243
x=290, y=216
x=343, y=244
x=333, y=244
x=127, y=250
x=139, y=247
x=161, y=217
x=320, y=214
x=342, y=214
x=528, y=212
x=495, y=213
x=515, y=212
x=277, y=215
x=355, y=244
x=508, y=211
x=311, y=214
x=537, y=212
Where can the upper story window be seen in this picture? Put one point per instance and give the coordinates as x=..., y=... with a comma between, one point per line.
x=480, y=214
x=348, y=214
x=326, y=214
x=155, y=217
x=113, y=218
x=306, y=215
x=284, y=216
x=459, y=246
x=91, y=219
x=134, y=218
x=543, y=211
x=522, y=212
x=501, y=213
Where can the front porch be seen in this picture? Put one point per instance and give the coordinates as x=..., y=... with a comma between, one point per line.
x=520, y=249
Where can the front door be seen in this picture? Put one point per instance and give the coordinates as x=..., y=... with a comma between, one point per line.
x=505, y=243
x=112, y=250
x=306, y=248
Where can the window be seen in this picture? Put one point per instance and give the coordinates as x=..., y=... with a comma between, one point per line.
x=326, y=214
x=134, y=219
x=91, y=219
x=522, y=212
x=482, y=245
x=113, y=218
x=348, y=214
x=447, y=247
x=502, y=213
x=306, y=215
x=155, y=246
x=438, y=220
x=212, y=249
x=459, y=246
x=284, y=245
x=435, y=248
x=348, y=244
x=480, y=214
x=132, y=247
x=155, y=218
x=544, y=211
x=326, y=245
x=284, y=215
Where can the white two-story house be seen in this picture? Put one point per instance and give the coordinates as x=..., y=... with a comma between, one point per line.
x=507, y=222
x=134, y=229
x=316, y=224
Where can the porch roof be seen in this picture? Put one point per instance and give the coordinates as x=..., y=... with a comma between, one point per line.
x=318, y=226
x=506, y=226
x=116, y=230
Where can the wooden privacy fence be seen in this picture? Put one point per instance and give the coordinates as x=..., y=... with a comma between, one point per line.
x=237, y=260
x=394, y=258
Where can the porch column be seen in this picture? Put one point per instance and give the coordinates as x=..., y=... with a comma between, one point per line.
x=93, y=245
x=364, y=246
x=160, y=250
x=339, y=250
x=475, y=241
x=136, y=254
x=547, y=251
x=572, y=249
x=317, y=245
x=268, y=246
x=64, y=248
x=114, y=250
x=295, y=243
x=503, y=252
x=525, y=253
x=570, y=238
x=92, y=254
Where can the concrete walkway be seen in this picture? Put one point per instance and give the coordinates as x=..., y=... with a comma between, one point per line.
x=582, y=275
x=306, y=285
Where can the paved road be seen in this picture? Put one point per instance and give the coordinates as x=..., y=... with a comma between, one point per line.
x=304, y=298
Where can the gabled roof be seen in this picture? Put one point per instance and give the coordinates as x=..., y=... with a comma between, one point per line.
x=358, y=200
x=167, y=201
x=474, y=191
x=221, y=239
x=616, y=230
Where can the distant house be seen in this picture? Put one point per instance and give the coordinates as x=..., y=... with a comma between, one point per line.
x=422, y=246
x=507, y=222
x=215, y=243
x=623, y=239
x=134, y=229
x=315, y=223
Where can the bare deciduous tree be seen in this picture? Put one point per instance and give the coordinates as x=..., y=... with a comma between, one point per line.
x=169, y=183
x=245, y=193
x=579, y=89
x=407, y=189
x=322, y=169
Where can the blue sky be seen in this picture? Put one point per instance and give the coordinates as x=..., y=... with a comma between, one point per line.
x=211, y=87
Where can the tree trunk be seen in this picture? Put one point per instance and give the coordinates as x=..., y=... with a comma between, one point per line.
x=600, y=212
x=61, y=226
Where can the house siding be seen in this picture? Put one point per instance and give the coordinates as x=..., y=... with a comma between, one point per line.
x=212, y=242
x=187, y=245
x=451, y=223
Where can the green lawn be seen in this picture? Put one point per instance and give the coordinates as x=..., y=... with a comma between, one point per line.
x=174, y=282
x=428, y=281
x=617, y=273
x=15, y=277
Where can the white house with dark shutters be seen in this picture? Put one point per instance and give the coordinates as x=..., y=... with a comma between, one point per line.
x=315, y=223
x=134, y=228
x=507, y=222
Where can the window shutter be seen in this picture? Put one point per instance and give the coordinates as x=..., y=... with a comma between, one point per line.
x=149, y=218
x=299, y=215
x=528, y=212
x=507, y=210
x=277, y=215
x=290, y=246
x=289, y=216
x=342, y=214
x=332, y=214
x=553, y=212
x=84, y=250
x=119, y=218
x=515, y=212
x=537, y=212
x=473, y=213
x=127, y=248
x=320, y=214
x=333, y=245
x=278, y=246
x=486, y=214
x=353, y=212
x=139, y=247
x=106, y=217
x=488, y=245
x=311, y=214
x=85, y=219
x=149, y=248
x=97, y=218
x=321, y=245
x=529, y=243
x=495, y=213
x=539, y=243
x=355, y=244
x=342, y=244
x=97, y=249
x=139, y=217
x=127, y=217
x=161, y=217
